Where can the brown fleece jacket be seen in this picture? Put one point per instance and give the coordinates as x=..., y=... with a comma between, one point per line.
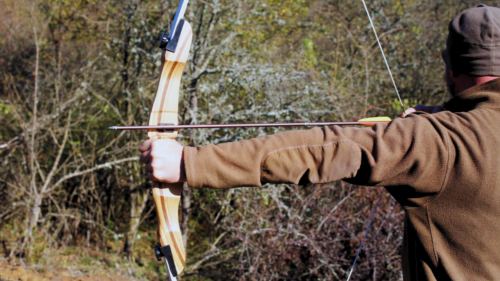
x=444, y=169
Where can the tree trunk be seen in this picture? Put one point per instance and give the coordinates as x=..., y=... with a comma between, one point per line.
x=138, y=200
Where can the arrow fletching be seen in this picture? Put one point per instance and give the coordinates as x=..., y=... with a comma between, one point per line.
x=369, y=122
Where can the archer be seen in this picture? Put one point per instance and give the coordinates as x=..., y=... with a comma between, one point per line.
x=441, y=163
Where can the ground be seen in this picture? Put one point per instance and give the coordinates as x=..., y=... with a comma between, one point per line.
x=14, y=272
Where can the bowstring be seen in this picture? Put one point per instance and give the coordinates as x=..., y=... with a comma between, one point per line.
x=364, y=237
x=402, y=105
x=383, y=55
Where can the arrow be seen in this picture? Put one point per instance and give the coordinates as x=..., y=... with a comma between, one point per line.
x=369, y=122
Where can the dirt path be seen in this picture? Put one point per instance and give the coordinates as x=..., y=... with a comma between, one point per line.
x=20, y=273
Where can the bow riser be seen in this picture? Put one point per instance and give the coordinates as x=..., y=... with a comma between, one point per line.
x=165, y=111
x=165, y=105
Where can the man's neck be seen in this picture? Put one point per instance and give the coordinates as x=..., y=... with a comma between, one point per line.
x=464, y=82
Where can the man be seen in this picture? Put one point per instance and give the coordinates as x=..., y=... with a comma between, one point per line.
x=443, y=168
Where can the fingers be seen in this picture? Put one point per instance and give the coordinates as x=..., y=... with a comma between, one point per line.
x=408, y=112
x=163, y=159
x=423, y=108
x=152, y=178
x=145, y=157
x=152, y=172
x=159, y=176
x=145, y=146
x=149, y=168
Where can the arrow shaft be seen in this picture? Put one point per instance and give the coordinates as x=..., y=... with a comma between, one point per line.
x=219, y=126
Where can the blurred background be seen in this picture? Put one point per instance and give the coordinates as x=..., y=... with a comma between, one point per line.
x=74, y=198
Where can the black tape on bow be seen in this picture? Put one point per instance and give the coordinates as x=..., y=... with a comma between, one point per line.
x=166, y=252
x=172, y=45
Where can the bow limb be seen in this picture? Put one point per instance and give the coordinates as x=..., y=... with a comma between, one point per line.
x=165, y=111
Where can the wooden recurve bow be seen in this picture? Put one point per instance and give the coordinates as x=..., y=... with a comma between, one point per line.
x=176, y=46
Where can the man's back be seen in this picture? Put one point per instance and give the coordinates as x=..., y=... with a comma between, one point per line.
x=455, y=234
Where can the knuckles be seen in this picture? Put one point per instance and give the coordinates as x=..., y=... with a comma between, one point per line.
x=155, y=165
x=158, y=175
x=159, y=157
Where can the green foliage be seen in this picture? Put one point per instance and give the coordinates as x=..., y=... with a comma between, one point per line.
x=4, y=108
x=309, y=55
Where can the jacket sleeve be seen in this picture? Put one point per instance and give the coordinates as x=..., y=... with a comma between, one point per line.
x=409, y=152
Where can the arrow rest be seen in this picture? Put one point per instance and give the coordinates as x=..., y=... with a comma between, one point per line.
x=166, y=130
